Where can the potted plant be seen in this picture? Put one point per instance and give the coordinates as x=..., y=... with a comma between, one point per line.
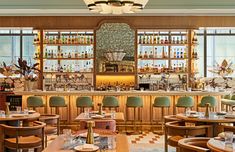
x=29, y=72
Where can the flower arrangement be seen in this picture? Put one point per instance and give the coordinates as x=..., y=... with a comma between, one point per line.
x=28, y=71
x=224, y=69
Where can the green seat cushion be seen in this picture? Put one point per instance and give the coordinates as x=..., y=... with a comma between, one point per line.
x=84, y=101
x=134, y=102
x=161, y=102
x=57, y=101
x=34, y=101
x=185, y=102
x=110, y=101
x=208, y=99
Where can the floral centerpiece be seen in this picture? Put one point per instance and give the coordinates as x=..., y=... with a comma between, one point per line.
x=29, y=72
x=223, y=70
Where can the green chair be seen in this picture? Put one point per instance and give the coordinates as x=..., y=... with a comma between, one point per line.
x=57, y=102
x=185, y=102
x=225, y=102
x=83, y=102
x=110, y=102
x=162, y=103
x=135, y=103
x=35, y=102
x=208, y=99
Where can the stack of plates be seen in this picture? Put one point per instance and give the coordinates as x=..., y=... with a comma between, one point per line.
x=86, y=148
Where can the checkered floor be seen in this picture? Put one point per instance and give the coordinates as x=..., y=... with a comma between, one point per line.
x=145, y=137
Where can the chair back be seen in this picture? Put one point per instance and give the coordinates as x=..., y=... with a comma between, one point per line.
x=176, y=128
x=228, y=96
x=233, y=97
x=171, y=118
x=34, y=101
x=208, y=99
x=198, y=144
x=110, y=101
x=84, y=101
x=51, y=120
x=101, y=124
x=57, y=101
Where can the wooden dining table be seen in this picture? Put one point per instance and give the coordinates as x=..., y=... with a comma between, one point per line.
x=220, y=146
x=215, y=121
x=57, y=145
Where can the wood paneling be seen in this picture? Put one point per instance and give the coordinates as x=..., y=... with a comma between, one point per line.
x=90, y=22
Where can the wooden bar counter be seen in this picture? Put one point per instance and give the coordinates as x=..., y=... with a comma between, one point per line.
x=97, y=96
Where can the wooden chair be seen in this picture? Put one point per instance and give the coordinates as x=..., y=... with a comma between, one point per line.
x=198, y=144
x=31, y=137
x=171, y=118
x=52, y=125
x=178, y=130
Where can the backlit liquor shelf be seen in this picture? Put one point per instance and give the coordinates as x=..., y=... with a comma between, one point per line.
x=67, y=58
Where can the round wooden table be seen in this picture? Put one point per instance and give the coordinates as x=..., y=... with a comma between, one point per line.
x=215, y=121
x=219, y=146
x=28, y=117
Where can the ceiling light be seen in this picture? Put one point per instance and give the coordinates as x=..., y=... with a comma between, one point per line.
x=115, y=6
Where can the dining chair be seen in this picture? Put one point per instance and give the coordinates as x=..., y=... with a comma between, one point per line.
x=198, y=144
x=208, y=99
x=177, y=131
x=24, y=138
x=52, y=125
x=110, y=102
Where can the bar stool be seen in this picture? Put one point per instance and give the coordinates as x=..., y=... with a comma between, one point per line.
x=208, y=99
x=135, y=103
x=57, y=102
x=225, y=102
x=110, y=102
x=160, y=102
x=83, y=102
x=35, y=102
x=185, y=102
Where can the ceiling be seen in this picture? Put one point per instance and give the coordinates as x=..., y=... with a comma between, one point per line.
x=153, y=7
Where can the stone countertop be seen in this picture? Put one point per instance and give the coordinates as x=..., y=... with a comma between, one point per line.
x=122, y=93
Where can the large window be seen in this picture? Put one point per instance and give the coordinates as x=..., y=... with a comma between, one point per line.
x=16, y=43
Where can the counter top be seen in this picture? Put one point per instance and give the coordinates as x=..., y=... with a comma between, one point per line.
x=122, y=93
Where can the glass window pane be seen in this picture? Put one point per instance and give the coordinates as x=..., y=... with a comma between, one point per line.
x=28, y=49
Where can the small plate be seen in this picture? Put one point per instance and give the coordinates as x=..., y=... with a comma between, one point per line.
x=193, y=116
x=97, y=116
x=31, y=111
x=19, y=115
x=84, y=135
x=221, y=113
x=86, y=148
x=229, y=116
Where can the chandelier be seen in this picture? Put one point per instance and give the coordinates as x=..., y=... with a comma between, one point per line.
x=115, y=6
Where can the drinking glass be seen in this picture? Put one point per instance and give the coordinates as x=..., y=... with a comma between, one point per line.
x=26, y=110
x=2, y=113
x=187, y=112
x=67, y=134
x=113, y=114
x=18, y=109
x=141, y=89
x=228, y=136
x=86, y=111
x=112, y=142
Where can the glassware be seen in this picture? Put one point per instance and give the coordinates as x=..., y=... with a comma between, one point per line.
x=141, y=89
x=67, y=134
x=18, y=109
x=112, y=142
x=26, y=110
x=86, y=111
x=2, y=113
x=113, y=114
x=228, y=136
x=187, y=112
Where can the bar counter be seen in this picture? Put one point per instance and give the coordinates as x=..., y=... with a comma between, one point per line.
x=97, y=96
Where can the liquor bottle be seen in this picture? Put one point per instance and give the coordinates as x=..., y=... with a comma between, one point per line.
x=181, y=40
x=181, y=53
x=148, y=39
x=143, y=39
x=175, y=53
x=166, y=40
x=173, y=40
x=52, y=54
x=45, y=54
x=158, y=39
x=145, y=55
x=86, y=56
x=177, y=40
x=154, y=40
x=76, y=54
x=162, y=41
x=178, y=54
x=193, y=54
x=196, y=56
x=91, y=39
x=69, y=55
x=163, y=52
x=185, y=53
x=155, y=54
x=151, y=54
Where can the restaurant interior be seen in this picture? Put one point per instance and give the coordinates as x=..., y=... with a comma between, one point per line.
x=117, y=76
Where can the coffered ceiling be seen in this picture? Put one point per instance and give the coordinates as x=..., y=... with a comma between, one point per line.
x=153, y=7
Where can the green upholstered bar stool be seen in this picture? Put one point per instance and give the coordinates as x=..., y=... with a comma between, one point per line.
x=83, y=102
x=162, y=103
x=208, y=99
x=35, y=102
x=229, y=103
x=135, y=103
x=57, y=102
x=185, y=102
x=225, y=102
x=110, y=102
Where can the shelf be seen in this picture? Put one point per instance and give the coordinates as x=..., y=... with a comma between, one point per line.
x=65, y=73
x=194, y=58
x=68, y=58
x=178, y=58
x=156, y=73
x=60, y=44
x=153, y=58
x=115, y=73
x=163, y=44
